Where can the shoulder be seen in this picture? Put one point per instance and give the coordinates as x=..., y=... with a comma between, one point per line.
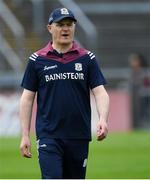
x=91, y=55
x=33, y=56
x=41, y=52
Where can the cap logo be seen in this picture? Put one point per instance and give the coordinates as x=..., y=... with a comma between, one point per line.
x=64, y=11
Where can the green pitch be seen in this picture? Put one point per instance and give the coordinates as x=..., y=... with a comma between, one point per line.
x=119, y=156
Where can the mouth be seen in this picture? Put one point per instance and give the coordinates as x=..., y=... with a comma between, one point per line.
x=65, y=35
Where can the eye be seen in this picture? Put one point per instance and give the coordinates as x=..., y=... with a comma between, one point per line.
x=59, y=25
x=69, y=24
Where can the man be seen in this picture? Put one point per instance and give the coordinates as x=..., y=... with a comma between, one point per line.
x=62, y=75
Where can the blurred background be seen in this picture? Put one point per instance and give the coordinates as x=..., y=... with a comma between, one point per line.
x=117, y=31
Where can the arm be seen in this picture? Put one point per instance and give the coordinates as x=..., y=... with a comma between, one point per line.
x=102, y=104
x=26, y=104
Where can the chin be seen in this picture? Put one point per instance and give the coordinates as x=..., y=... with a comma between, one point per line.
x=66, y=42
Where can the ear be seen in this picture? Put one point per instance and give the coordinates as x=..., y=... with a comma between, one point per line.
x=49, y=28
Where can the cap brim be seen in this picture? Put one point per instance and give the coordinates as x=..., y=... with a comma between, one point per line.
x=64, y=17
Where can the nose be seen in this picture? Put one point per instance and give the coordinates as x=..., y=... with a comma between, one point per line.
x=65, y=27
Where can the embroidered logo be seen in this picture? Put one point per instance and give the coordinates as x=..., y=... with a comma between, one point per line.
x=78, y=66
x=50, y=67
x=64, y=11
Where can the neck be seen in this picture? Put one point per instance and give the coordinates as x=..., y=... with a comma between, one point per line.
x=62, y=48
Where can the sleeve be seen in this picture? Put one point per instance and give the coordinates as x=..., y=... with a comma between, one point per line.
x=95, y=76
x=30, y=79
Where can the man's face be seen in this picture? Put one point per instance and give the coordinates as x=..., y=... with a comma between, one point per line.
x=62, y=31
